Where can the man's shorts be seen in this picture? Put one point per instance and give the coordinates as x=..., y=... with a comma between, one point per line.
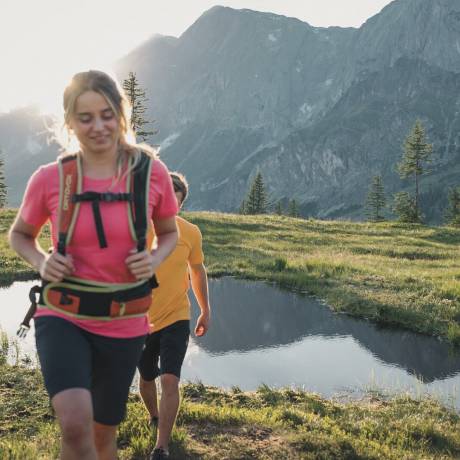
x=164, y=351
x=71, y=357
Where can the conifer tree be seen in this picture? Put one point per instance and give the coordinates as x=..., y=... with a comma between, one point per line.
x=416, y=152
x=293, y=208
x=242, y=209
x=279, y=208
x=137, y=99
x=404, y=207
x=453, y=208
x=3, y=188
x=376, y=200
x=256, y=201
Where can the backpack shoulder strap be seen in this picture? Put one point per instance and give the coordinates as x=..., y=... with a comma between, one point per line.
x=70, y=183
x=140, y=188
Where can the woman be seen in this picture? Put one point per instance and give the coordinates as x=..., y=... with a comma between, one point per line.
x=88, y=360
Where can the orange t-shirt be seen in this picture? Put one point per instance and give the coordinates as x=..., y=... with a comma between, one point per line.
x=170, y=302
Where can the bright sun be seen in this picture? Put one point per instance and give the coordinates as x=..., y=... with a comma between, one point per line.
x=42, y=44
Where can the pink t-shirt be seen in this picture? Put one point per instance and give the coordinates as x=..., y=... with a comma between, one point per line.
x=40, y=204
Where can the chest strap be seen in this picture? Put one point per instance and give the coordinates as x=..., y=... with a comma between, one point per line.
x=71, y=196
x=95, y=198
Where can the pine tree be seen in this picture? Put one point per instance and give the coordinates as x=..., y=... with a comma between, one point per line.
x=3, y=187
x=453, y=208
x=137, y=99
x=416, y=152
x=293, y=208
x=405, y=208
x=256, y=201
x=376, y=200
x=279, y=208
x=242, y=209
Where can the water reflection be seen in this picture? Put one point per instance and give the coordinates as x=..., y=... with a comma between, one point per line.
x=249, y=316
x=261, y=334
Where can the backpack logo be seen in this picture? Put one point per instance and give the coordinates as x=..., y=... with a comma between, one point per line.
x=67, y=187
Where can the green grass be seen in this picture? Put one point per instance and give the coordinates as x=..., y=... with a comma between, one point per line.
x=396, y=274
x=13, y=268
x=266, y=424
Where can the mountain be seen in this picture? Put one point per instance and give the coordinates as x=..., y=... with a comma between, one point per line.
x=318, y=111
x=25, y=145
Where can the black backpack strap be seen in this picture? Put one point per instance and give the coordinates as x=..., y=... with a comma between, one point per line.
x=141, y=191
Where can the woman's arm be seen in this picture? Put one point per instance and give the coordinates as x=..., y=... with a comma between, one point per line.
x=144, y=264
x=23, y=239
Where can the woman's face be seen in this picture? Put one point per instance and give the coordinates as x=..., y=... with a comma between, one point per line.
x=94, y=123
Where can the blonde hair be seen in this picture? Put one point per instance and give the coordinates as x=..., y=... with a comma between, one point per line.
x=102, y=83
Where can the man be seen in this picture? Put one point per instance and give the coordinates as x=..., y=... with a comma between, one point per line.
x=169, y=318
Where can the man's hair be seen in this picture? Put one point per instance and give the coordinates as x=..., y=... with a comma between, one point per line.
x=180, y=184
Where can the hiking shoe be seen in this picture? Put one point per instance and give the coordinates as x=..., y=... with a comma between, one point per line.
x=153, y=422
x=159, y=454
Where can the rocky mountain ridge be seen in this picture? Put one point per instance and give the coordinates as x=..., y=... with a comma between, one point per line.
x=318, y=111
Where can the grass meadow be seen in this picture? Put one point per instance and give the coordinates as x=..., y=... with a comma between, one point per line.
x=394, y=274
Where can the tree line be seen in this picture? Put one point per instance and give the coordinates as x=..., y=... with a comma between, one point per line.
x=406, y=206
x=257, y=202
x=417, y=152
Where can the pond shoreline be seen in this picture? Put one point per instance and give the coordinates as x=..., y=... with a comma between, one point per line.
x=266, y=423
x=401, y=275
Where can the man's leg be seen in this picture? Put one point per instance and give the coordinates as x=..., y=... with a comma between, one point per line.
x=105, y=437
x=173, y=346
x=74, y=412
x=149, y=371
x=169, y=406
x=148, y=390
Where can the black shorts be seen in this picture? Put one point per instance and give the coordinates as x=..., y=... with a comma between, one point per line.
x=71, y=357
x=168, y=345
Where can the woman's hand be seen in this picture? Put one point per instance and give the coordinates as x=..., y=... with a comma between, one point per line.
x=54, y=267
x=142, y=264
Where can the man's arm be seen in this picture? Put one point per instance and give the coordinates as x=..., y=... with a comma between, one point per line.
x=199, y=281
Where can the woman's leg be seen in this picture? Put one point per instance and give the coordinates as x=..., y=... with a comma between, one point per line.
x=74, y=411
x=65, y=358
x=113, y=367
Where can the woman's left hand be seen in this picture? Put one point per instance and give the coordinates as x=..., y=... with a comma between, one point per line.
x=142, y=264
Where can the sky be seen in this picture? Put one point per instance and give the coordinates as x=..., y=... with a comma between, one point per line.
x=44, y=42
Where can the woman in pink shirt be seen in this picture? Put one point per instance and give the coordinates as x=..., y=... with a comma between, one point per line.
x=88, y=364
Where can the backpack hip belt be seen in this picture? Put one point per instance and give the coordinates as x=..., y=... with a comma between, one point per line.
x=84, y=299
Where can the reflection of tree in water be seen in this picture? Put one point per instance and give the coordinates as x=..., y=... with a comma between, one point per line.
x=248, y=315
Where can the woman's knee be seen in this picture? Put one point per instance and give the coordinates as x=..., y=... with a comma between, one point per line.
x=74, y=412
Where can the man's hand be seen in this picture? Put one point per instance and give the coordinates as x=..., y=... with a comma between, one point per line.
x=202, y=324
